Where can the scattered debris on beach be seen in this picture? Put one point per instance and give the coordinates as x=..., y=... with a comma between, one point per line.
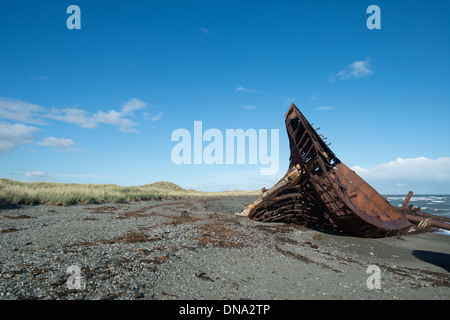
x=319, y=190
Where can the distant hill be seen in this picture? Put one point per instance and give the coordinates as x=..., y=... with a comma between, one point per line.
x=164, y=185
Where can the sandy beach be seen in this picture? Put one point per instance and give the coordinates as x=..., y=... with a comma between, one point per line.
x=197, y=249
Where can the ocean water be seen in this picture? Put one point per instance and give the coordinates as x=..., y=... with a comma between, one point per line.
x=434, y=204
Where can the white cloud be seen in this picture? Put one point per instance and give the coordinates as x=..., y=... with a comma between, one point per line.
x=18, y=110
x=326, y=108
x=35, y=174
x=84, y=119
x=116, y=118
x=242, y=89
x=39, y=77
x=248, y=107
x=63, y=145
x=131, y=105
x=13, y=135
x=157, y=117
x=56, y=142
x=420, y=172
x=356, y=70
x=76, y=116
x=152, y=117
x=289, y=100
x=205, y=31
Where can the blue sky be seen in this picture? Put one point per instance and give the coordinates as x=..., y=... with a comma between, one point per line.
x=99, y=104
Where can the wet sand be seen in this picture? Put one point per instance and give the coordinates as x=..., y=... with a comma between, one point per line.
x=198, y=249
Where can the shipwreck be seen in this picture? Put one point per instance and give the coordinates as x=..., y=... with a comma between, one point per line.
x=319, y=191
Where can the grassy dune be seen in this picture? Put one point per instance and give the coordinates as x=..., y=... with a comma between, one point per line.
x=15, y=193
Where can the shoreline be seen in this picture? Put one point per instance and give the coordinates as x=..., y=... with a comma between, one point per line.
x=195, y=248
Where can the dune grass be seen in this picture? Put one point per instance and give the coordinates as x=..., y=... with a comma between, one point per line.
x=15, y=193
x=64, y=194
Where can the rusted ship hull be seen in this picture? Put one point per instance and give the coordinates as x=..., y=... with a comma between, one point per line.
x=320, y=191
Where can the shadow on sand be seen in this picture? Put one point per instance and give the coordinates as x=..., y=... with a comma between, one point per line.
x=437, y=258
